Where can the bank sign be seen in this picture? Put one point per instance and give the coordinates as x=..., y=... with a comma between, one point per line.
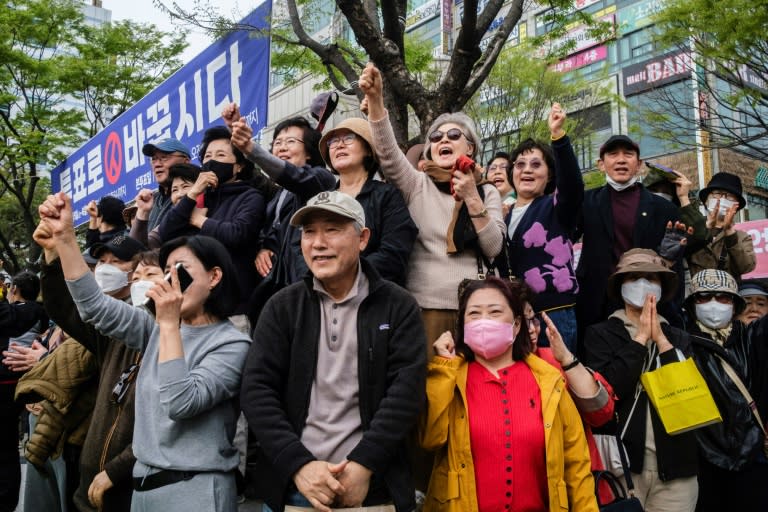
x=233, y=69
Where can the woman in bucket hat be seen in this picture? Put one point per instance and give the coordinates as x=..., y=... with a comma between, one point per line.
x=622, y=348
x=348, y=151
x=727, y=353
x=725, y=247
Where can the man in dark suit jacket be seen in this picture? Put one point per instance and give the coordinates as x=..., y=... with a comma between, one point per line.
x=619, y=216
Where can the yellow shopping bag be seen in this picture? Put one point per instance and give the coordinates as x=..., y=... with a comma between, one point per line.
x=680, y=396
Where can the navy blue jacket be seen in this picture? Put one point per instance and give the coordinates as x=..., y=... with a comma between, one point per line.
x=393, y=232
x=235, y=217
x=301, y=184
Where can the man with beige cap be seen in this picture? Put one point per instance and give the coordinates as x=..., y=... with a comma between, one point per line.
x=334, y=378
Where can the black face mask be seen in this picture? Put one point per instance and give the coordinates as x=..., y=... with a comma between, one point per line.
x=223, y=171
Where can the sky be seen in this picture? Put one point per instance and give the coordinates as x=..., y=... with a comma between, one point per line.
x=145, y=11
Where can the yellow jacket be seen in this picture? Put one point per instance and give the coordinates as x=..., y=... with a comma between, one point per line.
x=444, y=428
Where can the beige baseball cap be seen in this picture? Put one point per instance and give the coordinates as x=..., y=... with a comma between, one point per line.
x=334, y=202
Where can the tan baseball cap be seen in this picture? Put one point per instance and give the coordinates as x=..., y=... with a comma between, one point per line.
x=333, y=202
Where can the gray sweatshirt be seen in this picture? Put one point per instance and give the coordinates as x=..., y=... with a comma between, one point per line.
x=185, y=408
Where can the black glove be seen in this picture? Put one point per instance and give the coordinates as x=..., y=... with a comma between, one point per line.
x=673, y=244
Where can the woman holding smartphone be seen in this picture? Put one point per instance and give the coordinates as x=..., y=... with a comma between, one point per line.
x=190, y=373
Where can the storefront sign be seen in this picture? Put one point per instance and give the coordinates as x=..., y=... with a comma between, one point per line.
x=638, y=15
x=422, y=13
x=582, y=59
x=656, y=72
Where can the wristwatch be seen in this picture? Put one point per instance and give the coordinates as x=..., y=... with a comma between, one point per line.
x=480, y=215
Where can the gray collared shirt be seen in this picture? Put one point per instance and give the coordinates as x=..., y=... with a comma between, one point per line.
x=333, y=426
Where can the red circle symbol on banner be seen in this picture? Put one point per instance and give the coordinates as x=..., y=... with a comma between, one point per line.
x=113, y=157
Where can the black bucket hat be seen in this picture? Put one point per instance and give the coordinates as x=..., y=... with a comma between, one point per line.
x=727, y=182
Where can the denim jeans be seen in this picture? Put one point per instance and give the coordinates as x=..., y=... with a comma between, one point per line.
x=565, y=321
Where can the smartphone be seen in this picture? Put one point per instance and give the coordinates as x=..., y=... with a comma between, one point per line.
x=184, y=281
x=663, y=171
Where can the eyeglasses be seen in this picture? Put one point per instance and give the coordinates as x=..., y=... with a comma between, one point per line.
x=346, y=139
x=721, y=194
x=159, y=156
x=452, y=134
x=498, y=167
x=288, y=141
x=534, y=321
x=124, y=383
x=722, y=298
x=533, y=164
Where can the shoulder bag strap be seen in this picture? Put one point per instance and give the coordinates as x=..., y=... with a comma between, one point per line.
x=623, y=456
x=744, y=392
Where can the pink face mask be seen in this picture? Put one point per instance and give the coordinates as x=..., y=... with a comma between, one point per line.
x=489, y=338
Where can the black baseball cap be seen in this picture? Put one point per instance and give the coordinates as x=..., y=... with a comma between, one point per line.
x=122, y=246
x=616, y=141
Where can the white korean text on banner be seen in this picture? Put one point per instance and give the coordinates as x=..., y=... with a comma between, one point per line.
x=233, y=69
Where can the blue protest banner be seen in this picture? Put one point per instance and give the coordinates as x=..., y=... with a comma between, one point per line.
x=233, y=69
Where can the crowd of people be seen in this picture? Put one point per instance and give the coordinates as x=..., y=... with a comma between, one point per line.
x=334, y=323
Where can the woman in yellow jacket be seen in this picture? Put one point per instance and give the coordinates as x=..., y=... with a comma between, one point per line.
x=508, y=436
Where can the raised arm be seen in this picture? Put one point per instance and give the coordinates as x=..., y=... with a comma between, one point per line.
x=394, y=166
x=111, y=317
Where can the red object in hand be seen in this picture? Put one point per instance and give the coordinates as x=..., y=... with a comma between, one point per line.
x=465, y=165
x=200, y=203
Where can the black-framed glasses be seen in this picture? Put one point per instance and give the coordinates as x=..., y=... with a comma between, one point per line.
x=704, y=297
x=534, y=321
x=124, y=383
x=452, y=134
x=346, y=139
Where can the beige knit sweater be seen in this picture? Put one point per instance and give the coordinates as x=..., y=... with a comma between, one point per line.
x=434, y=275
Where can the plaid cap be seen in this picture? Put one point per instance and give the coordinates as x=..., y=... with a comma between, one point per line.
x=711, y=280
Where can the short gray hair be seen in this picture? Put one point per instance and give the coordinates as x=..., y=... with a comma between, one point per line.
x=459, y=118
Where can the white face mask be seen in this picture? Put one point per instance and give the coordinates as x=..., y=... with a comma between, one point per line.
x=725, y=204
x=713, y=314
x=618, y=187
x=634, y=292
x=110, y=278
x=139, y=291
x=668, y=197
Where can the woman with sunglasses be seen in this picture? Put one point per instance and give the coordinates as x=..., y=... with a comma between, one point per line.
x=730, y=354
x=634, y=340
x=460, y=223
x=189, y=378
x=541, y=225
x=507, y=435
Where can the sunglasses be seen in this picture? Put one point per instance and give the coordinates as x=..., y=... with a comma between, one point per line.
x=452, y=134
x=533, y=164
x=124, y=383
x=722, y=298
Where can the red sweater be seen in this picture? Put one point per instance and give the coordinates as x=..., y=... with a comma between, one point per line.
x=507, y=437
